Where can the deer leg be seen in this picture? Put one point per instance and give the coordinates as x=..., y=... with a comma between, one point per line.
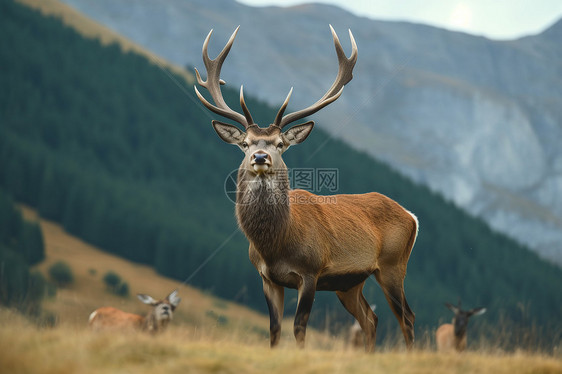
x=274, y=295
x=306, y=297
x=393, y=288
x=355, y=303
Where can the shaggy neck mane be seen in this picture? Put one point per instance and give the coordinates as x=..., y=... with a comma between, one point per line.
x=262, y=207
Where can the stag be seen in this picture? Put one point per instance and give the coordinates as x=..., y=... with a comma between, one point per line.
x=109, y=318
x=451, y=336
x=303, y=241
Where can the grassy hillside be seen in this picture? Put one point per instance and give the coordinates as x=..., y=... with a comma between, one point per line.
x=26, y=349
x=106, y=144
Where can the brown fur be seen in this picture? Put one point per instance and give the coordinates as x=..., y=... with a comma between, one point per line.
x=446, y=339
x=109, y=317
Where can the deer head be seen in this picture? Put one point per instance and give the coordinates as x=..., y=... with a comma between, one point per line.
x=263, y=146
x=163, y=310
x=460, y=321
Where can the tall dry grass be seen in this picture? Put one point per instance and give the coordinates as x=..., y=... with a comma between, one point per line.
x=24, y=348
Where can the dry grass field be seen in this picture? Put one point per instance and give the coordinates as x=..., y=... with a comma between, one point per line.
x=66, y=349
x=208, y=335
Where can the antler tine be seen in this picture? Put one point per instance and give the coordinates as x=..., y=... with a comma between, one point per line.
x=279, y=115
x=244, y=107
x=345, y=74
x=213, y=82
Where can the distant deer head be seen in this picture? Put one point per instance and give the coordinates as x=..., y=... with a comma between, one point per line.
x=449, y=336
x=296, y=239
x=155, y=321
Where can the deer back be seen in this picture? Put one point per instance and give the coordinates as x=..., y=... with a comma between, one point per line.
x=113, y=318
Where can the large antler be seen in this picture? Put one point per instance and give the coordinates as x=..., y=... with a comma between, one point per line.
x=345, y=74
x=213, y=82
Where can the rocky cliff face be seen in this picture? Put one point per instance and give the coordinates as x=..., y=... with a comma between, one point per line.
x=477, y=120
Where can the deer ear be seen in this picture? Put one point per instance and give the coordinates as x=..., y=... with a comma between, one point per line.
x=453, y=308
x=297, y=134
x=146, y=299
x=173, y=298
x=477, y=311
x=229, y=133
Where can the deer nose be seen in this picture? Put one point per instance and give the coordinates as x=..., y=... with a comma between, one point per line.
x=260, y=158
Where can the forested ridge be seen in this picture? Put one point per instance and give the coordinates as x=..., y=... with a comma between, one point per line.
x=21, y=245
x=107, y=144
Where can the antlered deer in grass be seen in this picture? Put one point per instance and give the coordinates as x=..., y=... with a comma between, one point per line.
x=451, y=336
x=109, y=318
x=304, y=241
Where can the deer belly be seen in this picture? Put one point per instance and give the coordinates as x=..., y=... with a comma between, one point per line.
x=341, y=282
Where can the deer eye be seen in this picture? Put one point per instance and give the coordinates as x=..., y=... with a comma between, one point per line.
x=244, y=145
x=280, y=145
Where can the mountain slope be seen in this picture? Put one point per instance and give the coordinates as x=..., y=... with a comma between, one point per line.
x=105, y=143
x=73, y=304
x=475, y=119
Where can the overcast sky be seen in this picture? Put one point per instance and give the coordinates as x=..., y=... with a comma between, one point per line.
x=495, y=19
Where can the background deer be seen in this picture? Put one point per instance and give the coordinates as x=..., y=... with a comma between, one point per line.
x=453, y=336
x=356, y=336
x=297, y=242
x=155, y=321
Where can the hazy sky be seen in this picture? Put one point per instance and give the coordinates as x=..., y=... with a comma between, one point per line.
x=496, y=19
